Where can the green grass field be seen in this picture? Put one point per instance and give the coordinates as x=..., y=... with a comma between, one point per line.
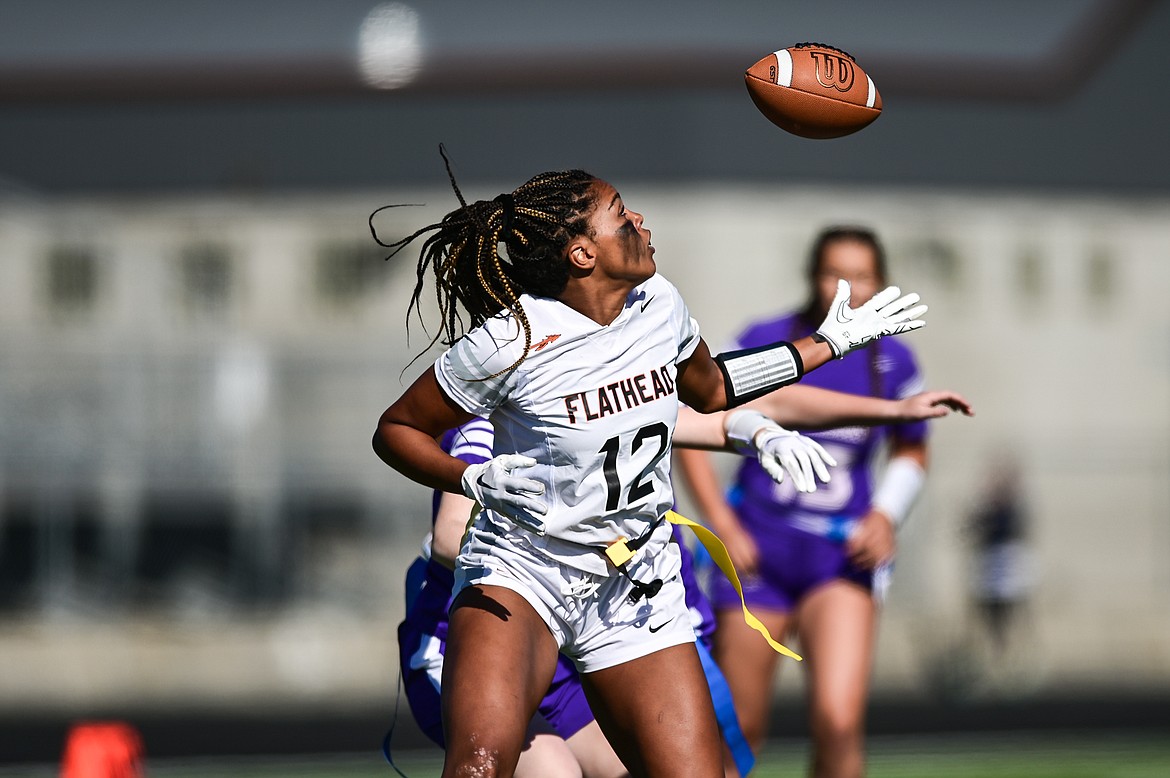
x=1070, y=755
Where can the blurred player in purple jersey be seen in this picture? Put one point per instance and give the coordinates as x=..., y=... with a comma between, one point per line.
x=815, y=563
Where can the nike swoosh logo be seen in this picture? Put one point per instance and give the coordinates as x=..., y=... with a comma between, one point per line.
x=652, y=628
x=646, y=302
x=840, y=314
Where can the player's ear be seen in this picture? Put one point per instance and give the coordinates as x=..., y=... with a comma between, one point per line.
x=581, y=253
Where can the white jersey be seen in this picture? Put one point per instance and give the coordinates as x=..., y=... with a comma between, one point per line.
x=594, y=405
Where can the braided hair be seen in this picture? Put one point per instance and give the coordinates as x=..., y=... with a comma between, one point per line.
x=534, y=223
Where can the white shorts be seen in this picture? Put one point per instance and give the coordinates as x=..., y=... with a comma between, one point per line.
x=591, y=616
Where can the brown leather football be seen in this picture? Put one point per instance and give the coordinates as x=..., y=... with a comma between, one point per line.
x=814, y=91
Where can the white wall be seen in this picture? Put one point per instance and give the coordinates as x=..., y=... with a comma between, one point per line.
x=278, y=389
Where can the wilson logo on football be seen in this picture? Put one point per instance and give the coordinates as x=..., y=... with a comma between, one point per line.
x=546, y=341
x=833, y=71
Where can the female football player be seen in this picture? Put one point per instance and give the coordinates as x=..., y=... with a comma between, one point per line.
x=563, y=739
x=579, y=353
x=815, y=562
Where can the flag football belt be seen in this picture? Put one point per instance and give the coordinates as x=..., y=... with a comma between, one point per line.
x=621, y=551
x=719, y=554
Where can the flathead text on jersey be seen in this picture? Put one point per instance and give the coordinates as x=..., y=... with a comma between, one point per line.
x=620, y=395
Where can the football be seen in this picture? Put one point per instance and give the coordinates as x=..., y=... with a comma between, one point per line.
x=814, y=91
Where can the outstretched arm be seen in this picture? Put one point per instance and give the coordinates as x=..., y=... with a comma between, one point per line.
x=733, y=378
x=704, y=381
x=751, y=433
x=811, y=408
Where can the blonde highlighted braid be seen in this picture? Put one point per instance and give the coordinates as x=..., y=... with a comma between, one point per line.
x=534, y=223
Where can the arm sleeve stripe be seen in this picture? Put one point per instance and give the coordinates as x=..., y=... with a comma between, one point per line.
x=474, y=438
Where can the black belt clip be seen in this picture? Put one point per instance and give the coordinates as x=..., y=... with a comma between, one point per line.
x=621, y=551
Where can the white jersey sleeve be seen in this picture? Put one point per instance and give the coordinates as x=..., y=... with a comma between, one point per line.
x=477, y=371
x=683, y=323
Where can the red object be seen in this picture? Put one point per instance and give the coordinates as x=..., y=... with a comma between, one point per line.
x=102, y=750
x=814, y=91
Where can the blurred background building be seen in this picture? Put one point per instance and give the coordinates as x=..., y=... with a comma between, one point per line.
x=197, y=332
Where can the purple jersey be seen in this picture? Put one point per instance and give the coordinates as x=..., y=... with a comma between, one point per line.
x=885, y=368
x=801, y=536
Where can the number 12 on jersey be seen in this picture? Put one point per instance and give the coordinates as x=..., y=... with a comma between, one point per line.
x=643, y=484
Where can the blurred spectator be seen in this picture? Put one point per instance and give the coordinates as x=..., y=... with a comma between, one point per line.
x=1002, y=575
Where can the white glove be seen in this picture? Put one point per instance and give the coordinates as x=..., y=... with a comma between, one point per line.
x=493, y=485
x=845, y=328
x=779, y=450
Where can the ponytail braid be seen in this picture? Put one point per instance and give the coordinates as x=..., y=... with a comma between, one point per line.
x=534, y=223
